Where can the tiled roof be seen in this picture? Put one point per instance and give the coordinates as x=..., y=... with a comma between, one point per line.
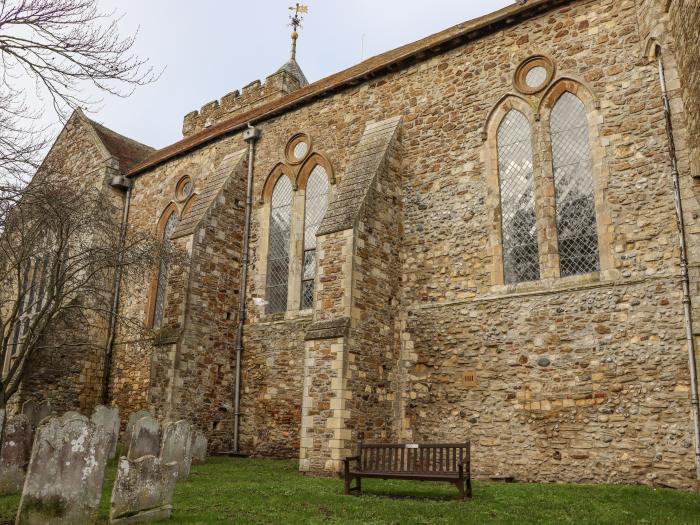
x=419, y=50
x=127, y=151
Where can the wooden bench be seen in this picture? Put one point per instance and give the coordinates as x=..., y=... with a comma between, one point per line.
x=449, y=462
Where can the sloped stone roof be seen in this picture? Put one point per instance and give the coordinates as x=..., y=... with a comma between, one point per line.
x=293, y=68
x=213, y=186
x=375, y=66
x=366, y=160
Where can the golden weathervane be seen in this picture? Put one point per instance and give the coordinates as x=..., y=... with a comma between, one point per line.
x=296, y=20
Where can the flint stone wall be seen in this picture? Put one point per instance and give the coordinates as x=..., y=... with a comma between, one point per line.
x=143, y=491
x=66, y=471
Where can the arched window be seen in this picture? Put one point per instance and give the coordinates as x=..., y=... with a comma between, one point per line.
x=162, y=282
x=278, y=250
x=314, y=210
x=518, y=225
x=573, y=182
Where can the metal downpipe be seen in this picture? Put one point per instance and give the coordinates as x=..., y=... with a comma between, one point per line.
x=251, y=135
x=111, y=331
x=687, y=312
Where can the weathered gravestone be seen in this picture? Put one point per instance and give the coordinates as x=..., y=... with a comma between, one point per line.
x=199, y=447
x=66, y=471
x=108, y=418
x=14, y=454
x=145, y=438
x=177, y=447
x=36, y=411
x=133, y=418
x=143, y=491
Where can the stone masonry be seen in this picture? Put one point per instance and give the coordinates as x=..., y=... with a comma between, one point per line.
x=413, y=333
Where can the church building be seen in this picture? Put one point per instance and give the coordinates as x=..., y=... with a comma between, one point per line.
x=471, y=237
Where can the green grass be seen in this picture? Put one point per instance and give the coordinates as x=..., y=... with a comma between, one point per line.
x=267, y=491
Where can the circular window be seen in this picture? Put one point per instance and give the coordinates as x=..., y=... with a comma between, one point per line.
x=183, y=189
x=298, y=148
x=534, y=75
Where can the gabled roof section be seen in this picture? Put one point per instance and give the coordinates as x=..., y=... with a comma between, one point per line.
x=380, y=64
x=127, y=151
x=213, y=186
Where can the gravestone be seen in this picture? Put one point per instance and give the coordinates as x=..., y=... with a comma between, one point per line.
x=36, y=411
x=66, y=471
x=145, y=438
x=199, y=447
x=133, y=418
x=14, y=454
x=143, y=491
x=177, y=447
x=108, y=418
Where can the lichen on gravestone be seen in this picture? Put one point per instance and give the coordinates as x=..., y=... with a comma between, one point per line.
x=15, y=450
x=177, y=446
x=145, y=438
x=66, y=472
x=133, y=418
x=143, y=491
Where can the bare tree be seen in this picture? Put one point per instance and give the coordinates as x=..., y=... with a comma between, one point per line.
x=58, y=255
x=62, y=49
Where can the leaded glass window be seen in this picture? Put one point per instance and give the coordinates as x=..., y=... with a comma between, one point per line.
x=162, y=283
x=314, y=210
x=518, y=225
x=278, y=250
x=573, y=182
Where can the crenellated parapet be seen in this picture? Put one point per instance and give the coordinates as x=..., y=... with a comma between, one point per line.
x=251, y=96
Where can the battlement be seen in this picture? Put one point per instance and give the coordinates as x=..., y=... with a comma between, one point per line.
x=251, y=96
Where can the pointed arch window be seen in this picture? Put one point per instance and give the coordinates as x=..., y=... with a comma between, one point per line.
x=518, y=224
x=315, y=208
x=573, y=182
x=278, y=251
x=162, y=282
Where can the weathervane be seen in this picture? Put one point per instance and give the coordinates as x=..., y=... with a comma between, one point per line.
x=296, y=20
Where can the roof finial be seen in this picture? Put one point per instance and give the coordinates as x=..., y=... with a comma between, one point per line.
x=296, y=19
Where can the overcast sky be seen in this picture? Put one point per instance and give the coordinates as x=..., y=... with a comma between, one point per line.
x=212, y=47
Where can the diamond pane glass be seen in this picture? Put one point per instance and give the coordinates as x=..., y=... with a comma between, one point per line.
x=315, y=209
x=536, y=77
x=515, y=169
x=300, y=150
x=187, y=189
x=163, y=273
x=278, y=250
x=573, y=182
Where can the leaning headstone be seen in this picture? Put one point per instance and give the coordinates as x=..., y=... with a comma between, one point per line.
x=66, y=471
x=14, y=454
x=36, y=411
x=133, y=418
x=108, y=418
x=177, y=447
x=143, y=491
x=145, y=438
x=199, y=447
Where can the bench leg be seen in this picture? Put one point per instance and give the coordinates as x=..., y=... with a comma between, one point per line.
x=469, y=487
x=460, y=487
x=346, y=490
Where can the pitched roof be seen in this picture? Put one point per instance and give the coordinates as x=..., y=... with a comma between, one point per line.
x=416, y=51
x=127, y=151
x=293, y=68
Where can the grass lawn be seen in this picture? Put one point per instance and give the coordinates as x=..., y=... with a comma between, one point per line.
x=267, y=491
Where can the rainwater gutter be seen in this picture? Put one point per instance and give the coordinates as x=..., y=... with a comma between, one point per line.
x=250, y=135
x=685, y=279
x=120, y=182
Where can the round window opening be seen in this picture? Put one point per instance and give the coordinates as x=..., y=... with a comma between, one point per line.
x=187, y=189
x=534, y=75
x=300, y=150
x=184, y=188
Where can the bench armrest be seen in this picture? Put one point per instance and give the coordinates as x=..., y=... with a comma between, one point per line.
x=351, y=458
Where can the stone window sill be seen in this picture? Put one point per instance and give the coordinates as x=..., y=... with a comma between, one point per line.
x=552, y=283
